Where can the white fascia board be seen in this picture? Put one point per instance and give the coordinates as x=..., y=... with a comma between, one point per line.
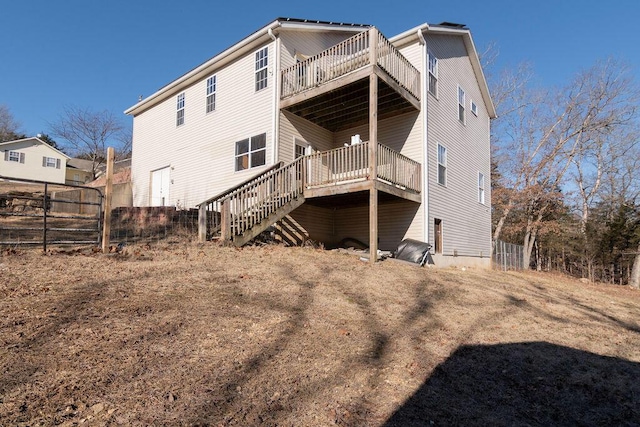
x=199, y=72
x=33, y=138
x=412, y=34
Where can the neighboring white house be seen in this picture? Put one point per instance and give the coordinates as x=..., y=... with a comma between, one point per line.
x=32, y=158
x=326, y=100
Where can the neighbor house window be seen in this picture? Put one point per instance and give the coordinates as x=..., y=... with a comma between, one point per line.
x=433, y=74
x=50, y=162
x=251, y=152
x=481, y=187
x=442, y=165
x=14, y=156
x=474, y=108
x=262, y=61
x=211, y=93
x=461, y=101
x=180, y=110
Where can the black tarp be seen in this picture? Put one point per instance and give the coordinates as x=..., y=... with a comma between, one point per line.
x=413, y=251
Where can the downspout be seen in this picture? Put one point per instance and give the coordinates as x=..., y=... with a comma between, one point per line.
x=276, y=104
x=425, y=133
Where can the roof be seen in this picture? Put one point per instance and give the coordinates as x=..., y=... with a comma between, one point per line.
x=237, y=50
x=36, y=140
x=460, y=30
x=82, y=164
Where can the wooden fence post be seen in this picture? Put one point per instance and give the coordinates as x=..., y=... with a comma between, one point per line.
x=108, y=190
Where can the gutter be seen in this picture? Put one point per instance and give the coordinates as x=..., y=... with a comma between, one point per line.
x=276, y=87
x=424, y=95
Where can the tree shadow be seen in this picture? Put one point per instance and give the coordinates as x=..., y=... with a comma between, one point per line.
x=534, y=383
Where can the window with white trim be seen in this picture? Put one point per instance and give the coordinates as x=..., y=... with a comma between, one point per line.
x=481, y=187
x=433, y=74
x=461, y=104
x=251, y=152
x=262, y=62
x=211, y=93
x=14, y=156
x=474, y=108
x=442, y=165
x=180, y=110
x=50, y=162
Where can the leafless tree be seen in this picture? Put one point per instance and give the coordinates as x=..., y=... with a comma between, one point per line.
x=9, y=127
x=542, y=133
x=88, y=133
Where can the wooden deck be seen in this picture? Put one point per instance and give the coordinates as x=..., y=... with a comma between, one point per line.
x=250, y=207
x=331, y=88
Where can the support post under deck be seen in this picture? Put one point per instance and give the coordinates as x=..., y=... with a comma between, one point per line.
x=373, y=152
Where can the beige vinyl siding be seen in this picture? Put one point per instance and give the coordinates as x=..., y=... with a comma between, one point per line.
x=307, y=43
x=466, y=223
x=32, y=167
x=201, y=153
x=318, y=222
x=292, y=127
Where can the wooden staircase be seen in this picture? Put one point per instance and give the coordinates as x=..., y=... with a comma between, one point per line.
x=243, y=212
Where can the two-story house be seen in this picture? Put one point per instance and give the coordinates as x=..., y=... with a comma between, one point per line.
x=33, y=159
x=331, y=131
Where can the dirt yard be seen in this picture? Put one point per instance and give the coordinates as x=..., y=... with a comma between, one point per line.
x=187, y=334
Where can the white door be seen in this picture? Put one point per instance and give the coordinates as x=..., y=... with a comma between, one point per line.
x=160, y=182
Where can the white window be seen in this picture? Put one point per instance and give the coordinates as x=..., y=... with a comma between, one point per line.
x=211, y=93
x=433, y=74
x=50, y=162
x=442, y=165
x=461, y=103
x=14, y=156
x=180, y=109
x=262, y=61
x=481, y=187
x=251, y=152
x=474, y=108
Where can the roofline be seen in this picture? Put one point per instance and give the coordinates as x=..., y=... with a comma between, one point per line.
x=37, y=139
x=235, y=51
x=409, y=35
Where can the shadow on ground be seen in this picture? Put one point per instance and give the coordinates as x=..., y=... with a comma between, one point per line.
x=533, y=383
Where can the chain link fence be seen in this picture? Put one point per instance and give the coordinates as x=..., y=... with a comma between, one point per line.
x=508, y=256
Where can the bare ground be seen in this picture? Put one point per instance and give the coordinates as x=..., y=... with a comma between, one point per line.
x=187, y=334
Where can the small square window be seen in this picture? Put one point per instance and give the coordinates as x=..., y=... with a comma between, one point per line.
x=474, y=108
x=251, y=152
x=13, y=156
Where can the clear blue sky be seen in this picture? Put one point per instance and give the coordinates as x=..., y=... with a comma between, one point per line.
x=104, y=54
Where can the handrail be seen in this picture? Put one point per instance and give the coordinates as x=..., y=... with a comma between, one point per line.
x=398, y=169
x=339, y=164
x=262, y=197
x=345, y=57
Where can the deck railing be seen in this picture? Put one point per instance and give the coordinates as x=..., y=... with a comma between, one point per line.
x=345, y=57
x=398, y=169
x=253, y=202
x=240, y=209
x=340, y=164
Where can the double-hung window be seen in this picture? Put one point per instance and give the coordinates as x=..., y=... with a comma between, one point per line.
x=433, y=74
x=442, y=165
x=211, y=93
x=14, y=156
x=262, y=62
x=180, y=110
x=461, y=104
x=251, y=152
x=50, y=162
x=481, y=187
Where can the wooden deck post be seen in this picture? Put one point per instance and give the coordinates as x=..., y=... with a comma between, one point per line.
x=202, y=222
x=225, y=221
x=373, y=151
x=106, y=229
